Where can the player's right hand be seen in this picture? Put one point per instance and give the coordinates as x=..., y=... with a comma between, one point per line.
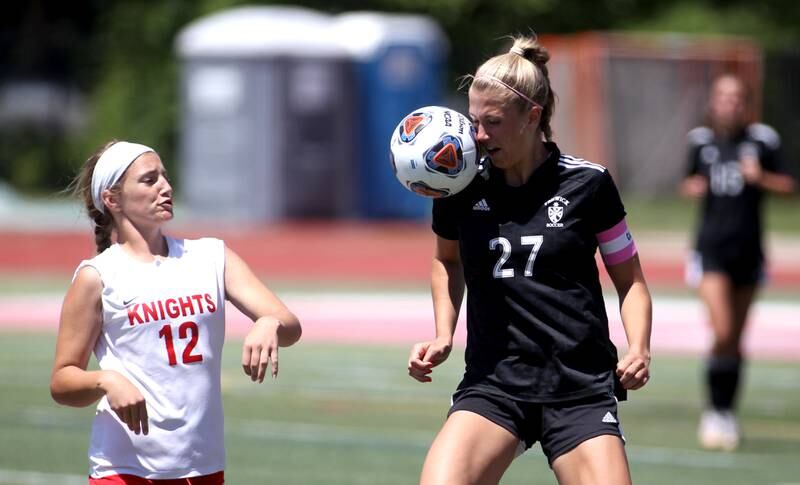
x=125, y=400
x=427, y=355
x=751, y=170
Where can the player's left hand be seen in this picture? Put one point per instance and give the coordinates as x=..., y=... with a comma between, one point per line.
x=634, y=369
x=261, y=348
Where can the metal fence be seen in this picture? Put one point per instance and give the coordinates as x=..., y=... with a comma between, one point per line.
x=782, y=102
x=627, y=100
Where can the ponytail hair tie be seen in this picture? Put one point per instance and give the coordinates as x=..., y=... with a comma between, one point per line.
x=517, y=50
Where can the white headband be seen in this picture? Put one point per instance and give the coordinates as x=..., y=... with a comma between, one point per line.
x=110, y=167
x=513, y=89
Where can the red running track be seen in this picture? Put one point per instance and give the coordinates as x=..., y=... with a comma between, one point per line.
x=340, y=252
x=330, y=254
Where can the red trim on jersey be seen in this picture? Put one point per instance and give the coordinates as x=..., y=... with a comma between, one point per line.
x=213, y=479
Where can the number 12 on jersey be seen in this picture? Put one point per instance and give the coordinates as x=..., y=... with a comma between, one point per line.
x=183, y=331
x=499, y=271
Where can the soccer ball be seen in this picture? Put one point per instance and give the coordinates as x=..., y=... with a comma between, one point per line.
x=433, y=152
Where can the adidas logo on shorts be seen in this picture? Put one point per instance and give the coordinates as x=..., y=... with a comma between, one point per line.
x=609, y=418
x=481, y=205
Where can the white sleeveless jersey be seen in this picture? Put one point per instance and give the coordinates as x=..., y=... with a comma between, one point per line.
x=163, y=328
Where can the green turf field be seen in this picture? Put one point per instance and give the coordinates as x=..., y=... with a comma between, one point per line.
x=349, y=415
x=663, y=213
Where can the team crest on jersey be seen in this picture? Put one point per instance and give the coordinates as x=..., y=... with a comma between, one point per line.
x=709, y=154
x=555, y=211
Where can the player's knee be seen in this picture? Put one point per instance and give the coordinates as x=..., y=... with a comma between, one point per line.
x=726, y=345
x=456, y=469
x=438, y=473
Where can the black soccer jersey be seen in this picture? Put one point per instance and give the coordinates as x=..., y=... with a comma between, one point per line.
x=537, y=328
x=730, y=225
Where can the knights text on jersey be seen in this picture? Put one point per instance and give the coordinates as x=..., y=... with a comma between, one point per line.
x=537, y=328
x=163, y=329
x=731, y=213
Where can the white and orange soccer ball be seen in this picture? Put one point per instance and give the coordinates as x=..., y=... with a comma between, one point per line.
x=433, y=152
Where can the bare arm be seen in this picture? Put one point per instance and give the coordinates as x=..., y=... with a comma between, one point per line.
x=447, y=291
x=71, y=384
x=694, y=186
x=636, y=310
x=778, y=183
x=81, y=320
x=274, y=325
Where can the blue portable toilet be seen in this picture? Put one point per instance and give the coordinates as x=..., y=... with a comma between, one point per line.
x=399, y=64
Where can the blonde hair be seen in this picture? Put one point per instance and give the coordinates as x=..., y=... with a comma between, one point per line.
x=81, y=187
x=520, y=75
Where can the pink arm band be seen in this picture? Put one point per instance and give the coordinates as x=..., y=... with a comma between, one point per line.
x=616, y=244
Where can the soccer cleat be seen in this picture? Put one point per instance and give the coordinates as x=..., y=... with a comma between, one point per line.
x=718, y=430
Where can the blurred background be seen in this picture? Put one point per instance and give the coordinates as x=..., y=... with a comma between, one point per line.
x=274, y=119
x=292, y=105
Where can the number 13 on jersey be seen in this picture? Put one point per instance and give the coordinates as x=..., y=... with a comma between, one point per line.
x=505, y=245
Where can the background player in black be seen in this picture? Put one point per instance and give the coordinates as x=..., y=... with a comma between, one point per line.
x=539, y=362
x=732, y=163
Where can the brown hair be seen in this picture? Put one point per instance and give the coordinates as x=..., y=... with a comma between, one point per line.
x=82, y=188
x=523, y=68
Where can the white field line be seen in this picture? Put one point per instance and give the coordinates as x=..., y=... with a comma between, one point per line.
x=19, y=477
x=343, y=436
x=338, y=436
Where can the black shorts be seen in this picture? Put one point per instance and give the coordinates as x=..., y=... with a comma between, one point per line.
x=559, y=426
x=746, y=270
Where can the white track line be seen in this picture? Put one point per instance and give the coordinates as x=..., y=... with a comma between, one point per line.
x=679, y=325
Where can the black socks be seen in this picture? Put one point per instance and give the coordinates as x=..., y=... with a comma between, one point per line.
x=722, y=379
